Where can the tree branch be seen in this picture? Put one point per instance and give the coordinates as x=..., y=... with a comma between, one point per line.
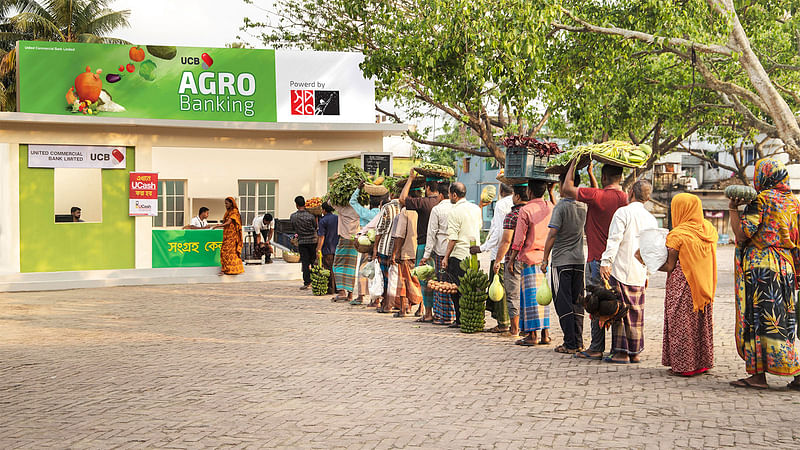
x=644, y=37
x=416, y=137
x=536, y=129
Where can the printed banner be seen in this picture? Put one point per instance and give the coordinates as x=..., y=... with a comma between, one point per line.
x=189, y=83
x=76, y=156
x=143, y=199
x=186, y=248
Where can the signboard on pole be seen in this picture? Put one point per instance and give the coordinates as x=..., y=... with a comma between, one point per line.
x=143, y=200
x=76, y=156
x=191, y=83
x=374, y=162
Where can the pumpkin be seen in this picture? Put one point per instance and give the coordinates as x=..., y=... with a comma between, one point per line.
x=739, y=192
x=136, y=54
x=88, y=85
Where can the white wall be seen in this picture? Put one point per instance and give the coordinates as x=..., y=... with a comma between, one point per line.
x=215, y=173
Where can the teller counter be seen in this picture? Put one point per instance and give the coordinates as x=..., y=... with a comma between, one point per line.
x=186, y=248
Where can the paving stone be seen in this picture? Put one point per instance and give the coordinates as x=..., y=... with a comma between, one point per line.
x=265, y=365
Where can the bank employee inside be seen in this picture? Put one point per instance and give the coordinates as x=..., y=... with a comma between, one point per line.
x=200, y=221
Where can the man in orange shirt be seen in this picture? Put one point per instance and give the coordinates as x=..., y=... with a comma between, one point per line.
x=530, y=236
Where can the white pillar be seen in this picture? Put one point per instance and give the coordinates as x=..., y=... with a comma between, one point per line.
x=144, y=225
x=9, y=198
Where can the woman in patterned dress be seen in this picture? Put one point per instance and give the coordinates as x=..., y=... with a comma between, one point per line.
x=767, y=235
x=688, y=343
x=231, y=251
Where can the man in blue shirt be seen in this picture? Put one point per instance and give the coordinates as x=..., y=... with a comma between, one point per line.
x=328, y=232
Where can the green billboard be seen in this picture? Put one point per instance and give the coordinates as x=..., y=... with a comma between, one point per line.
x=162, y=82
x=186, y=248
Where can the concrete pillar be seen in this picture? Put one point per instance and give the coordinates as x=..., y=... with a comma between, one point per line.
x=9, y=198
x=144, y=225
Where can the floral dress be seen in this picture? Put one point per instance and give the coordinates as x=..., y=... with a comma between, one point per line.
x=766, y=317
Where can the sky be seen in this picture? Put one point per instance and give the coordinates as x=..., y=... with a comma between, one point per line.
x=191, y=23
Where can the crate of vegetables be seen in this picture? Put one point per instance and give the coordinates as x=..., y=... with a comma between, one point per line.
x=527, y=157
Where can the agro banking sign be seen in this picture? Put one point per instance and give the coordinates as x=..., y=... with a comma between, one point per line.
x=76, y=156
x=188, y=83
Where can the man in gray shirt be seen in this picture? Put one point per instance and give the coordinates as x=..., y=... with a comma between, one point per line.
x=565, y=240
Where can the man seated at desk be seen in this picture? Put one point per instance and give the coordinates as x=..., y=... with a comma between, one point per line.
x=263, y=228
x=200, y=221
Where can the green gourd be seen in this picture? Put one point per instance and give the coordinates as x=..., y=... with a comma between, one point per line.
x=739, y=192
x=496, y=291
x=543, y=293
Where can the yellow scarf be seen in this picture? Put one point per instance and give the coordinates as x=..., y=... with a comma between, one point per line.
x=695, y=239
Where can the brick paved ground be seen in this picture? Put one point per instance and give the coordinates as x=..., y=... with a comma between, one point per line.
x=262, y=365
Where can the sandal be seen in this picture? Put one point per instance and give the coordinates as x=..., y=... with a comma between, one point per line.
x=610, y=359
x=586, y=355
x=565, y=350
x=545, y=342
x=399, y=314
x=356, y=302
x=794, y=386
x=745, y=383
x=525, y=342
x=496, y=329
x=422, y=320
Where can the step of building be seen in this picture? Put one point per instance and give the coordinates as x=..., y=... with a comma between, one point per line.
x=51, y=281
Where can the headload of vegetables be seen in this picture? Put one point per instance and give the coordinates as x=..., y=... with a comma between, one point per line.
x=619, y=153
x=435, y=170
x=488, y=194
x=345, y=184
x=531, y=143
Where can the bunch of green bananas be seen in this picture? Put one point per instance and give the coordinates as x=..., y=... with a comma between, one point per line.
x=320, y=278
x=621, y=151
x=448, y=171
x=472, y=287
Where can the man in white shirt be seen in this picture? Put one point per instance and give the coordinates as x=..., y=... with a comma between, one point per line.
x=200, y=221
x=624, y=272
x=435, y=247
x=463, y=228
x=263, y=227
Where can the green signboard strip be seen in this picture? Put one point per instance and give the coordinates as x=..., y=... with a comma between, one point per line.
x=157, y=82
x=186, y=248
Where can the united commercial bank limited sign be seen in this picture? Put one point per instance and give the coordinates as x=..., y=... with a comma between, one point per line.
x=188, y=83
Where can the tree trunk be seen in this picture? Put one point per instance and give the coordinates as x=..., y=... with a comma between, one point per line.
x=779, y=110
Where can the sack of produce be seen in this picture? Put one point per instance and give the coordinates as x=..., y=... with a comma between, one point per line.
x=488, y=194
x=376, y=282
x=653, y=248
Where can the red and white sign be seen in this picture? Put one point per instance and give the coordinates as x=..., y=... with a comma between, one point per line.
x=302, y=103
x=76, y=156
x=143, y=194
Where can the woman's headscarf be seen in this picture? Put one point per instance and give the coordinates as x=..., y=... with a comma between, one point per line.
x=233, y=213
x=771, y=174
x=695, y=239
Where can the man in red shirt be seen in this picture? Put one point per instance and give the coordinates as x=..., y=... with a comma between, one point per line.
x=601, y=205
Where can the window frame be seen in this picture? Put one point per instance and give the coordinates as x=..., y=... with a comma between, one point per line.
x=163, y=204
x=262, y=202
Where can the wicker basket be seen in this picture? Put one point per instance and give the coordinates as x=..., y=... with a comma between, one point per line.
x=433, y=173
x=377, y=191
x=364, y=248
x=291, y=257
x=511, y=181
x=317, y=210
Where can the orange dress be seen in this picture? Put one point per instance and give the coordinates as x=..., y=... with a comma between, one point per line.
x=232, y=242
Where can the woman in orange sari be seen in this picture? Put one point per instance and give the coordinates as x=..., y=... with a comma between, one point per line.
x=231, y=251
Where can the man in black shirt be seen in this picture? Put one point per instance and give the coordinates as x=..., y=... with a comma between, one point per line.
x=305, y=225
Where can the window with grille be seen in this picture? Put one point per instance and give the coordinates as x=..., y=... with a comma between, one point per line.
x=171, y=203
x=256, y=198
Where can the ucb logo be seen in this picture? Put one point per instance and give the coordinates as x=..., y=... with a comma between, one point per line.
x=100, y=157
x=205, y=59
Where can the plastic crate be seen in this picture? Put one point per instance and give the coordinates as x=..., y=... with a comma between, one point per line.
x=524, y=163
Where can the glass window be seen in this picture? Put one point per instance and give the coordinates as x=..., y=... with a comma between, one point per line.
x=171, y=203
x=78, y=195
x=256, y=197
